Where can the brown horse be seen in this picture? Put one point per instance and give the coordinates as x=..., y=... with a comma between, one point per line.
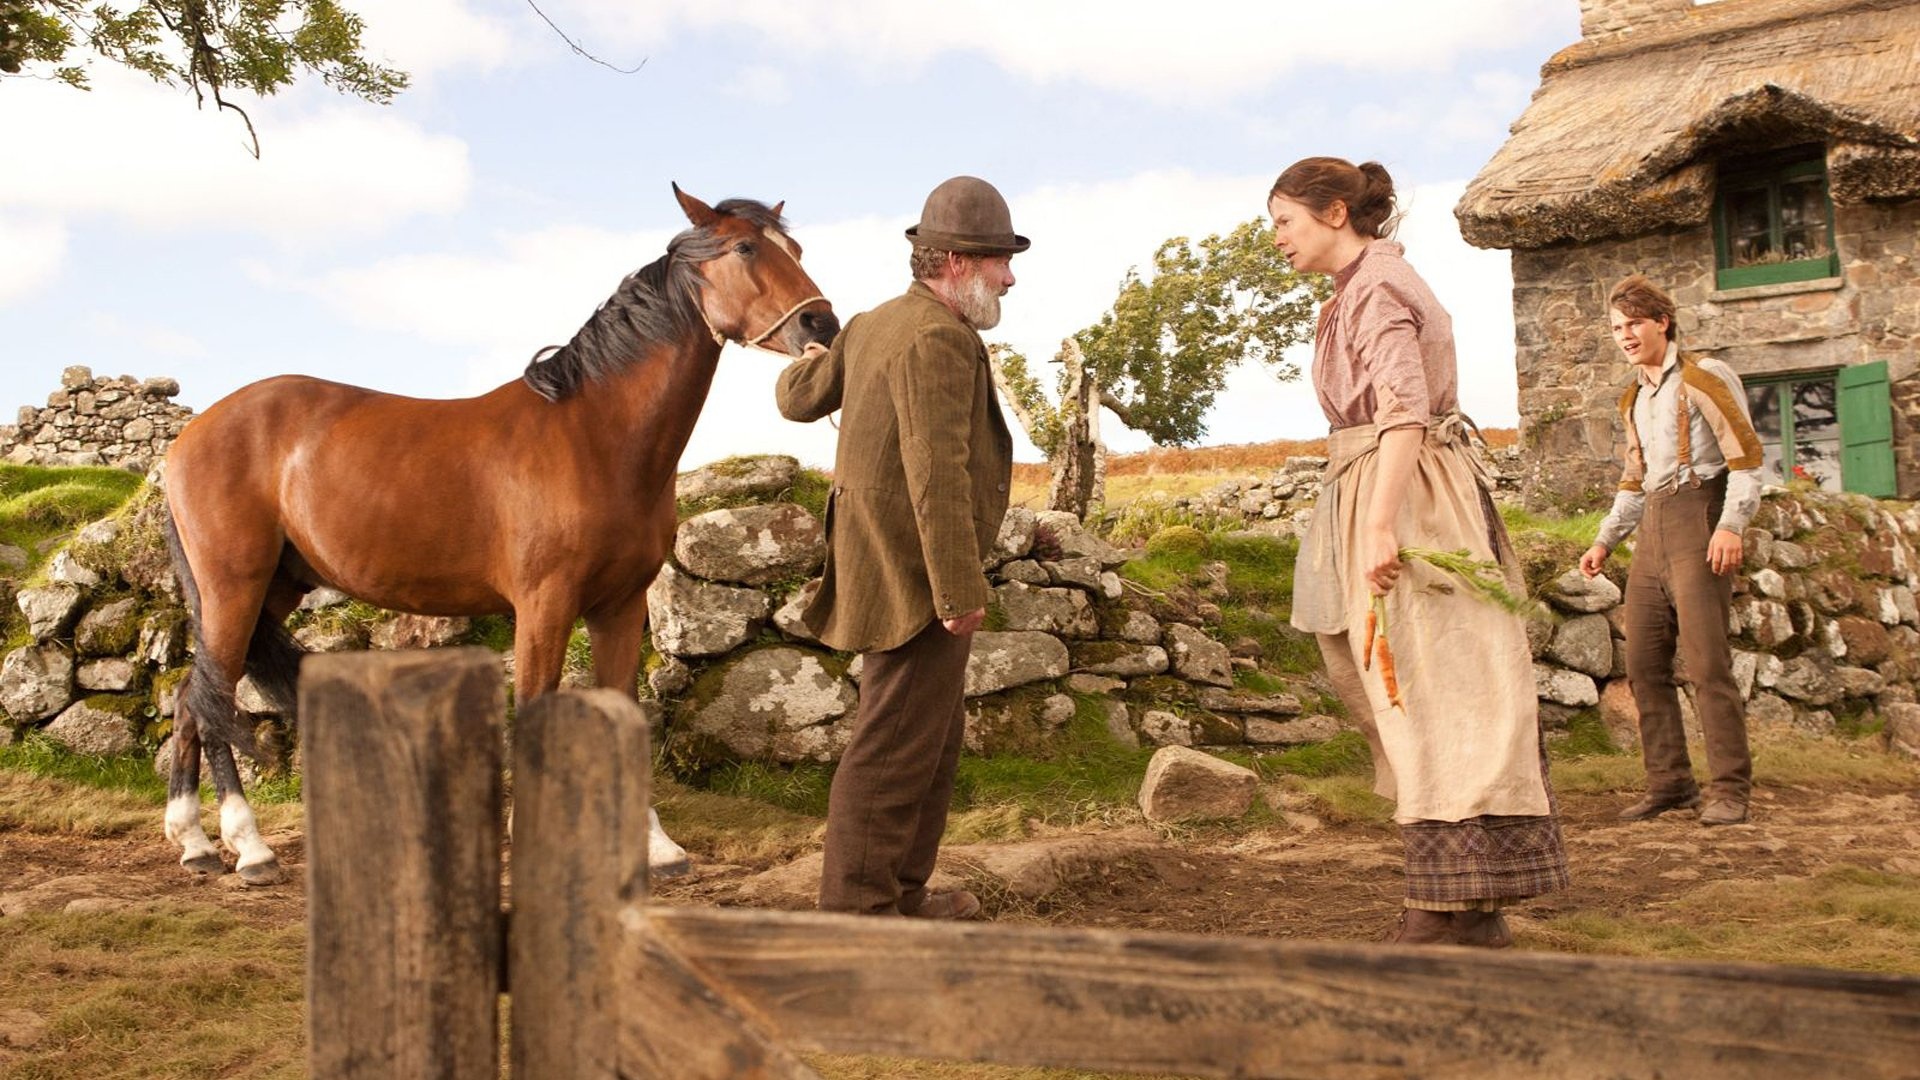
x=550, y=498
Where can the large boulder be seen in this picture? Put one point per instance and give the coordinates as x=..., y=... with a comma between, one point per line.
x=36, y=682
x=691, y=617
x=1001, y=660
x=1187, y=785
x=50, y=610
x=1563, y=687
x=739, y=478
x=1266, y=731
x=1583, y=643
x=1197, y=657
x=1015, y=538
x=108, y=630
x=1123, y=659
x=94, y=726
x=1902, y=729
x=1574, y=591
x=419, y=631
x=163, y=638
x=1065, y=612
x=753, y=545
x=774, y=704
x=1074, y=540
x=110, y=674
x=1216, y=699
x=1019, y=723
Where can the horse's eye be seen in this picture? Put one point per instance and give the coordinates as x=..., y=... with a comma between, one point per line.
x=744, y=249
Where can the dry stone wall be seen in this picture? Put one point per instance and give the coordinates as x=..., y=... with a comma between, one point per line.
x=1825, y=626
x=120, y=421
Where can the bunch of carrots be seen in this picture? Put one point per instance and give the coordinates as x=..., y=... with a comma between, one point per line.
x=1483, y=579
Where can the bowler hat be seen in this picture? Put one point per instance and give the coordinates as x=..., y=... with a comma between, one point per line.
x=965, y=214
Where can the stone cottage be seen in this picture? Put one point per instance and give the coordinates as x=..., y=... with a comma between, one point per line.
x=1761, y=160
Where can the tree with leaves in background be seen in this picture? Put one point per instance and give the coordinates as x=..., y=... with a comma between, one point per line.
x=213, y=47
x=1160, y=356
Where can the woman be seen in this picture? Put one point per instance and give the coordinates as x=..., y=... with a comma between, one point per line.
x=1459, y=749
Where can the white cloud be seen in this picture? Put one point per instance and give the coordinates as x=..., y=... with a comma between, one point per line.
x=141, y=153
x=1201, y=49
x=35, y=250
x=536, y=288
x=426, y=38
x=761, y=85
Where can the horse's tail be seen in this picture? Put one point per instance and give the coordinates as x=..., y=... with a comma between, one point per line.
x=273, y=659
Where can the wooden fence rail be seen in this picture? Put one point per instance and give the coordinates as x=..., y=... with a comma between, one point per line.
x=605, y=986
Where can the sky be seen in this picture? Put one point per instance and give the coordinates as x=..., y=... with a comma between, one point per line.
x=429, y=247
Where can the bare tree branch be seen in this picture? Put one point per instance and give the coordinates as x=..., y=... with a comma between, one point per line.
x=575, y=46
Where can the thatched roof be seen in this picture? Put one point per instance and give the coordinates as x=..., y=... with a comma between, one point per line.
x=1622, y=136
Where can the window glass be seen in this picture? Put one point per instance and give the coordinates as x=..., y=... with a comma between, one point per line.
x=1750, y=234
x=1816, y=433
x=1803, y=219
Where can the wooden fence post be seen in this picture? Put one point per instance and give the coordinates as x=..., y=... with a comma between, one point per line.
x=581, y=773
x=402, y=755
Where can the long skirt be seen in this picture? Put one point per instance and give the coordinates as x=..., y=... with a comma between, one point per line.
x=1462, y=751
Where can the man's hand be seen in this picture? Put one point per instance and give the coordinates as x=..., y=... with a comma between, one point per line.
x=961, y=625
x=1725, y=551
x=813, y=349
x=1593, y=559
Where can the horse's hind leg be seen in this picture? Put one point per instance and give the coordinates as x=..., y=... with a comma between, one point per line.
x=257, y=864
x=183, y=796
x=617, y=631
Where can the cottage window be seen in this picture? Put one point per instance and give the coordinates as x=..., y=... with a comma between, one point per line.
x=1832, y=428
x=1773, y=221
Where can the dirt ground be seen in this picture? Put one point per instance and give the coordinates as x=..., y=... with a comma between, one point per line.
x=1330, y=882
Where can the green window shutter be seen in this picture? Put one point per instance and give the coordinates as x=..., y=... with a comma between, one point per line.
x=1866, y=430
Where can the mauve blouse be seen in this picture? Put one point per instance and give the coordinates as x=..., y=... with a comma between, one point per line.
x=1383, y=348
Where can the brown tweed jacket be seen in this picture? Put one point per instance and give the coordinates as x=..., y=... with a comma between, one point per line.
x=920, y=477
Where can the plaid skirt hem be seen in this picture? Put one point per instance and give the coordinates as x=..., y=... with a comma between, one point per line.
x=1492, y=857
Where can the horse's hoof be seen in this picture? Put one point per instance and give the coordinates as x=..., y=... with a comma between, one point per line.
x=206, y=865
x=676, y=868
x=263, y=873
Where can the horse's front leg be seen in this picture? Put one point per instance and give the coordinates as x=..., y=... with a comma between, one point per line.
x=617, y=632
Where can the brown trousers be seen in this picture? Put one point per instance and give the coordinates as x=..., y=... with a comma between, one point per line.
x=890, y=796
x=1675, y=598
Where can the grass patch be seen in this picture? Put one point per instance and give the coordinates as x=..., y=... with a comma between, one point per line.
x=1087, y=776
x=1580, y=528
x=40, y=502
x=44, y=788
x=734, y=827
x=185, y=991
x=801, y=789
x=1845, y=917
x=1586, y=735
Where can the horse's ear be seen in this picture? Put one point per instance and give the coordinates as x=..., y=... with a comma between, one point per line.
x=777, y=207
x=698, y=212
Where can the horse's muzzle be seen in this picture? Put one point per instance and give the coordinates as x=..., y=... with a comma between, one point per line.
x=811, y=327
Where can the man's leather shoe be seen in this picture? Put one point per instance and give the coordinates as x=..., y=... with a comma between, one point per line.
x=1724, y=812
x=957, y=904
x=1654, y=805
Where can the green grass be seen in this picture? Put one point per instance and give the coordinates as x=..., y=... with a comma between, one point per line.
x=1586, y=735
x=1578, y=527
x=39, y=503
x=47, y=788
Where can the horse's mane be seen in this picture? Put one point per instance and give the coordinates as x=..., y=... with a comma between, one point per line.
x=655, y=303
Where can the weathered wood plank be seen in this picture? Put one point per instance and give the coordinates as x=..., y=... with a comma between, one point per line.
x=1260, y=1008
x=402, y=756
x=675, y=1025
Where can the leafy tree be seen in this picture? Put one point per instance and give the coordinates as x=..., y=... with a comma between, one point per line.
x=1160, y=356
x=1162, y=353
x=210, y=46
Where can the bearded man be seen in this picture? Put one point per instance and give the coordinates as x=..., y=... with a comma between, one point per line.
x=920, y=485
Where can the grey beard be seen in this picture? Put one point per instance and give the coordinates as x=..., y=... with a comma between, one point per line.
x=978, y=303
